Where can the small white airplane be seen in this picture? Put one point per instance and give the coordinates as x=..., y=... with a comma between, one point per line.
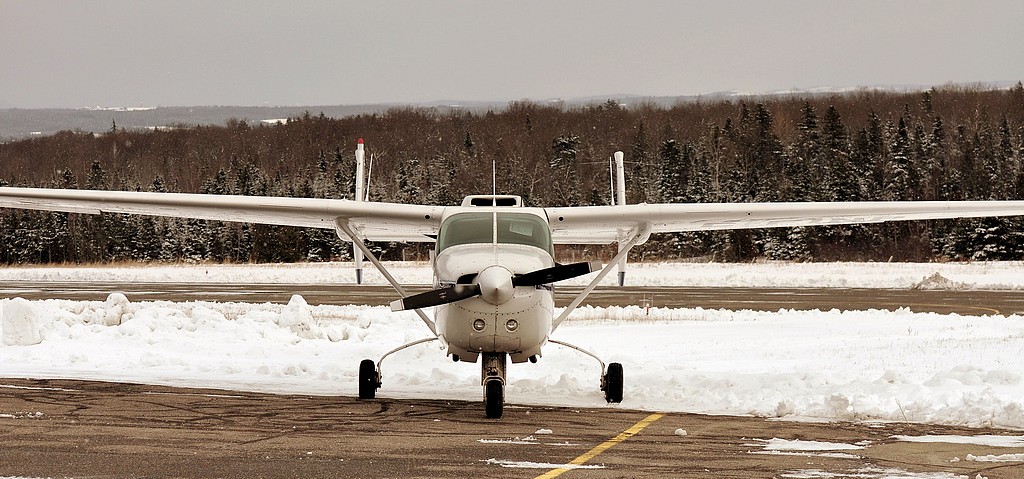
x=493, y=259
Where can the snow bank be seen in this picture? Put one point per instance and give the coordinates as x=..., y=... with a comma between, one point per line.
x=19, y=324
x=776, y=444
x=873, y=472
x=982, y=440
x=116, y=310
x=873, y=365
x=996, y=458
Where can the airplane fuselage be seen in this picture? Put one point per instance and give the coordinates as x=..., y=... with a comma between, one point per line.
x=504, y=319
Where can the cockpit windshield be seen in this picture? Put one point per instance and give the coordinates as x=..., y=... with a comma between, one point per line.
x=477, y=227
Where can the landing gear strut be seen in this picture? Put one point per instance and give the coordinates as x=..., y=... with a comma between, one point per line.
x=492, y=372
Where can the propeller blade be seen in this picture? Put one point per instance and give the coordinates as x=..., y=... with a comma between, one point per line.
x=556, y=273
x=460, y=292
x=436, y=297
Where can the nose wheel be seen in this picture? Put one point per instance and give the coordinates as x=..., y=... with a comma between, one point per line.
x=492, y=372
x=494, y=398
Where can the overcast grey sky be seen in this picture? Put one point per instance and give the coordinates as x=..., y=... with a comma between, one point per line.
x=174, y=53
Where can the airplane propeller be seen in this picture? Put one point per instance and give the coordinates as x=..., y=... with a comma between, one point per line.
x=495, y=285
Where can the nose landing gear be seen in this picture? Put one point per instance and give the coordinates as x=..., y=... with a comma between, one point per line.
x=492, y=372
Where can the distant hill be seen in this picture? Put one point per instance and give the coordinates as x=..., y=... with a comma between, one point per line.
x=17, y=123
x=21, y=123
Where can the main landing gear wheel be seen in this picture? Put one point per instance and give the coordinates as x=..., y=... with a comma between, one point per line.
x=613, y=383
x=369, y=381
x=611, y=379
x=494, y=398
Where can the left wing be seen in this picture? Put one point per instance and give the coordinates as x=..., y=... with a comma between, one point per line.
x=373, y=221
x=606, y=224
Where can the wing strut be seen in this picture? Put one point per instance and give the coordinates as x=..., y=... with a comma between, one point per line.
x=344, y=228
x=620, y=199
x=357, y=254
x=640, y=235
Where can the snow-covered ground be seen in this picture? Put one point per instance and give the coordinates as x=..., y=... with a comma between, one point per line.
x=857, y=365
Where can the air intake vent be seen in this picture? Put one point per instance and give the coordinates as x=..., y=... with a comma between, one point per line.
x=488, y=200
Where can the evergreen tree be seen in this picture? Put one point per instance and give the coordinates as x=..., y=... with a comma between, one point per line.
x=442, y=182
x=563, y=164
x=871, y=158
x=60, y=236
x=897, y=185
x=933, y=161
x=469, y=145
x=802, y=168
x=767, y=156
x=408, y=190
x=926, y=104
x=97, y=179
x=965, y=161
x=1005, y=162
x=840, y=179
x=674, y=172
x=322, y=163
x=699, y=188
x=639, y=156
x=1019, y=173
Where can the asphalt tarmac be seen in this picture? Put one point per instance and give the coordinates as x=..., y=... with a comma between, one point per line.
x=964, y=302
x=62, y=428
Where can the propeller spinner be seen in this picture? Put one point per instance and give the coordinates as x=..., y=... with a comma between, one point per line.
x=494, y=285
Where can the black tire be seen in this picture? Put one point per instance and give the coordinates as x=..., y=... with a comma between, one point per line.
x=494, y=399
x=613, y=383
x=367, y=379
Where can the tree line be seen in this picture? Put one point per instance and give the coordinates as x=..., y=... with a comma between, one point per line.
x=950, y=143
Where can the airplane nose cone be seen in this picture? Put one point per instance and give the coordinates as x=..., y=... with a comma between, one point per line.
x=495, y=285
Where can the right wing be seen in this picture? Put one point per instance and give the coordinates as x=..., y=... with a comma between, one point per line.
x=607, y=224
x=372, y=220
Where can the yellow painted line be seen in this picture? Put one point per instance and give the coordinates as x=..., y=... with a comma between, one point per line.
x=604, y=446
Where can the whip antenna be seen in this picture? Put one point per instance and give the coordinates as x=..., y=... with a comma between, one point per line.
x=369, y=172
x=494, y=203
